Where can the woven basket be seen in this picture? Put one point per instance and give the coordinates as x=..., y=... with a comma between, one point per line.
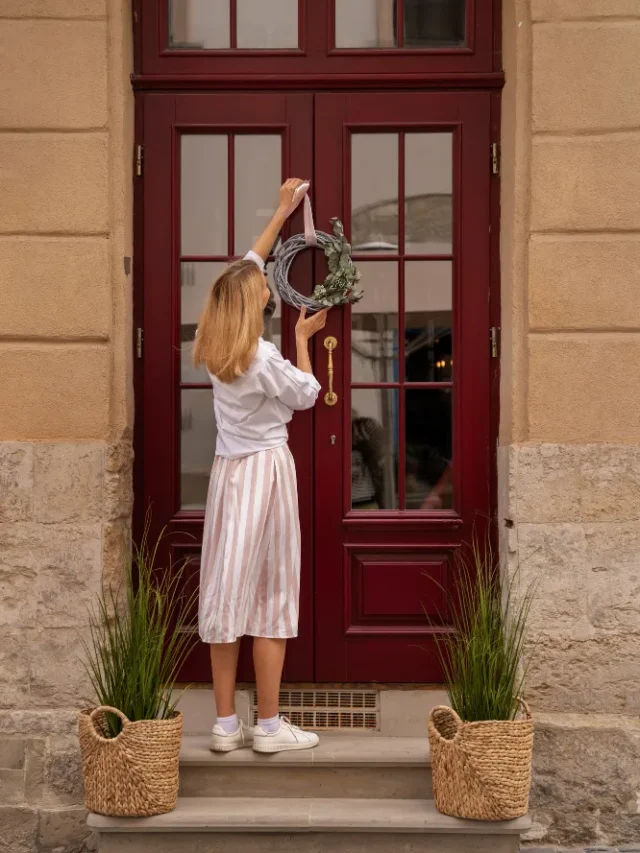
x=134, y=774
x=481, y=770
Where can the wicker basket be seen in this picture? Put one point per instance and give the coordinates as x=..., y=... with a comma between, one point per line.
x=134, y=774
x=481, y=770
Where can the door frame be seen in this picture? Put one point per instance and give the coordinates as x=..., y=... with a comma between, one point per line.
x=490, y=79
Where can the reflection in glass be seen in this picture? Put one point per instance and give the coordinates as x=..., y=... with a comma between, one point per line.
x=197, y=446
x=428, y=434
x=365, y=24
x=374, y=449
x=203, y=194
x=434, y=23
x=374, y=324
x=267, y=24
x=195, y=280
x=428, y=321
x=199, y=24
x=374, y=192
x=428, y=188
x=258, y=170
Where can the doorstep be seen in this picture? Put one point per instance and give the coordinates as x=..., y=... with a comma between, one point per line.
x=354, y=767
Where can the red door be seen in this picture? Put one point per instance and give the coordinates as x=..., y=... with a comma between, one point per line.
x=403, y=465
x=393, y=476
x=213, y=165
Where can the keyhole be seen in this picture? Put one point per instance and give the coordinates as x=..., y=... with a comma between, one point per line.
x=332, y=439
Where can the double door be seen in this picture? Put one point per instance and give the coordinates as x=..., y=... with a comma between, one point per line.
x=393, y=478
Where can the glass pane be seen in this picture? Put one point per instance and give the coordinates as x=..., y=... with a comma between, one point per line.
x=434, y=23
x=199, y=24
x=203, y=194
x=197, y=446
x=374, y=449
x=374, y=192
x=428, y=187
x=429, y=483
x=258, y=171
x=195, y=281
x=428, y=321
x=374, y=324
x=273, y=313
x=267, y=24
x=365, y=23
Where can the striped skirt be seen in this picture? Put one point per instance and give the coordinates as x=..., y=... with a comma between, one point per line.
x=250, y=567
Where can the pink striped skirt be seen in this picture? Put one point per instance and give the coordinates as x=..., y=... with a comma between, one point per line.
x=250, y=568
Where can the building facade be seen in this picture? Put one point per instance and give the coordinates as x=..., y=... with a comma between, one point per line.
x=399, y=141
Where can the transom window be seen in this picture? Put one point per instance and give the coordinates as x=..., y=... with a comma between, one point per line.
x=415, y=24
x=273, y=40
x=204, y=25
x=230, y=24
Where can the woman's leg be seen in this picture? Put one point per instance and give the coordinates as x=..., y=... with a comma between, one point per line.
x=224, y=664
x=268, y=661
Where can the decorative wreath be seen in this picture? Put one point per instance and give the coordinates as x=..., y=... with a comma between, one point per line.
x=339, y=287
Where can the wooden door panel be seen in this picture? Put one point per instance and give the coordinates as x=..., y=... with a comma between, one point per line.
x=388, y=569
x=167, y=120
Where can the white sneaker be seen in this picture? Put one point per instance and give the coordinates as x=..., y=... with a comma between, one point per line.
x=288, y=736
x=221, y=741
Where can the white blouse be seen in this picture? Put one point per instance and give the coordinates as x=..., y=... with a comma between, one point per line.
x=253, y=411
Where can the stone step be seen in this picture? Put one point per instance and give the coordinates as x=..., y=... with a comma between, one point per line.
x=356, y=767
x=268, y=825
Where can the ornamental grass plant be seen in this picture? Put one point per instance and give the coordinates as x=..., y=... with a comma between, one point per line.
x=483, y=658
x=139, y=638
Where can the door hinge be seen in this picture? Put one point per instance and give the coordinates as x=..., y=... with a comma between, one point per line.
x=495, y=158
x=139, y=158
x=139, y=342
x=495, y=341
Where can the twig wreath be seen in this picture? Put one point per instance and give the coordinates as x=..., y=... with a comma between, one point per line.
x=339, y=287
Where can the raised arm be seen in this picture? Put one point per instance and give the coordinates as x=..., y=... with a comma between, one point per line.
x=286, y=205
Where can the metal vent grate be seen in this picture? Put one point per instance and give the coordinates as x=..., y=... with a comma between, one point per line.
x=328, y=709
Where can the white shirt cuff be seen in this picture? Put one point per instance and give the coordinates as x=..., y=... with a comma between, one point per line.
x=252, y=256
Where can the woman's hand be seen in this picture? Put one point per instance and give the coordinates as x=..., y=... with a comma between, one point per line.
x=286, y=204
x=306, y=327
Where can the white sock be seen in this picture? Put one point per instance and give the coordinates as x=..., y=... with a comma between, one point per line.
x=271, y=725
x=229, y=724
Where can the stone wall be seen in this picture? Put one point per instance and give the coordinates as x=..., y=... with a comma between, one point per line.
x=569, y=460
x=66, y=144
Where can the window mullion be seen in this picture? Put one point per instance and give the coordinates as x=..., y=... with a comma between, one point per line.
x=231, y=202
x=400, y=23
x=401, y=323
x=233, y=24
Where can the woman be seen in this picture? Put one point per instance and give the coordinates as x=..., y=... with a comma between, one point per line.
x=250, y=569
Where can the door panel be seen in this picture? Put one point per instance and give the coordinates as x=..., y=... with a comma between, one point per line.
x=393, y=477
x=403, y=460
x=213, y=166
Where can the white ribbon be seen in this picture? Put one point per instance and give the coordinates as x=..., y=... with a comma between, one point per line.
x=310, y=237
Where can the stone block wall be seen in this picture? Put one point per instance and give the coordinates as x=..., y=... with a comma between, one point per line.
x=66, y=151
x=569, y=457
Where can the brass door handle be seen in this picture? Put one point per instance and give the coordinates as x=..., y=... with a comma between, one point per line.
x=330, y=398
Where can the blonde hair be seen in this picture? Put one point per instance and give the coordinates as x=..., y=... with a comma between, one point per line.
x=231, y=322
